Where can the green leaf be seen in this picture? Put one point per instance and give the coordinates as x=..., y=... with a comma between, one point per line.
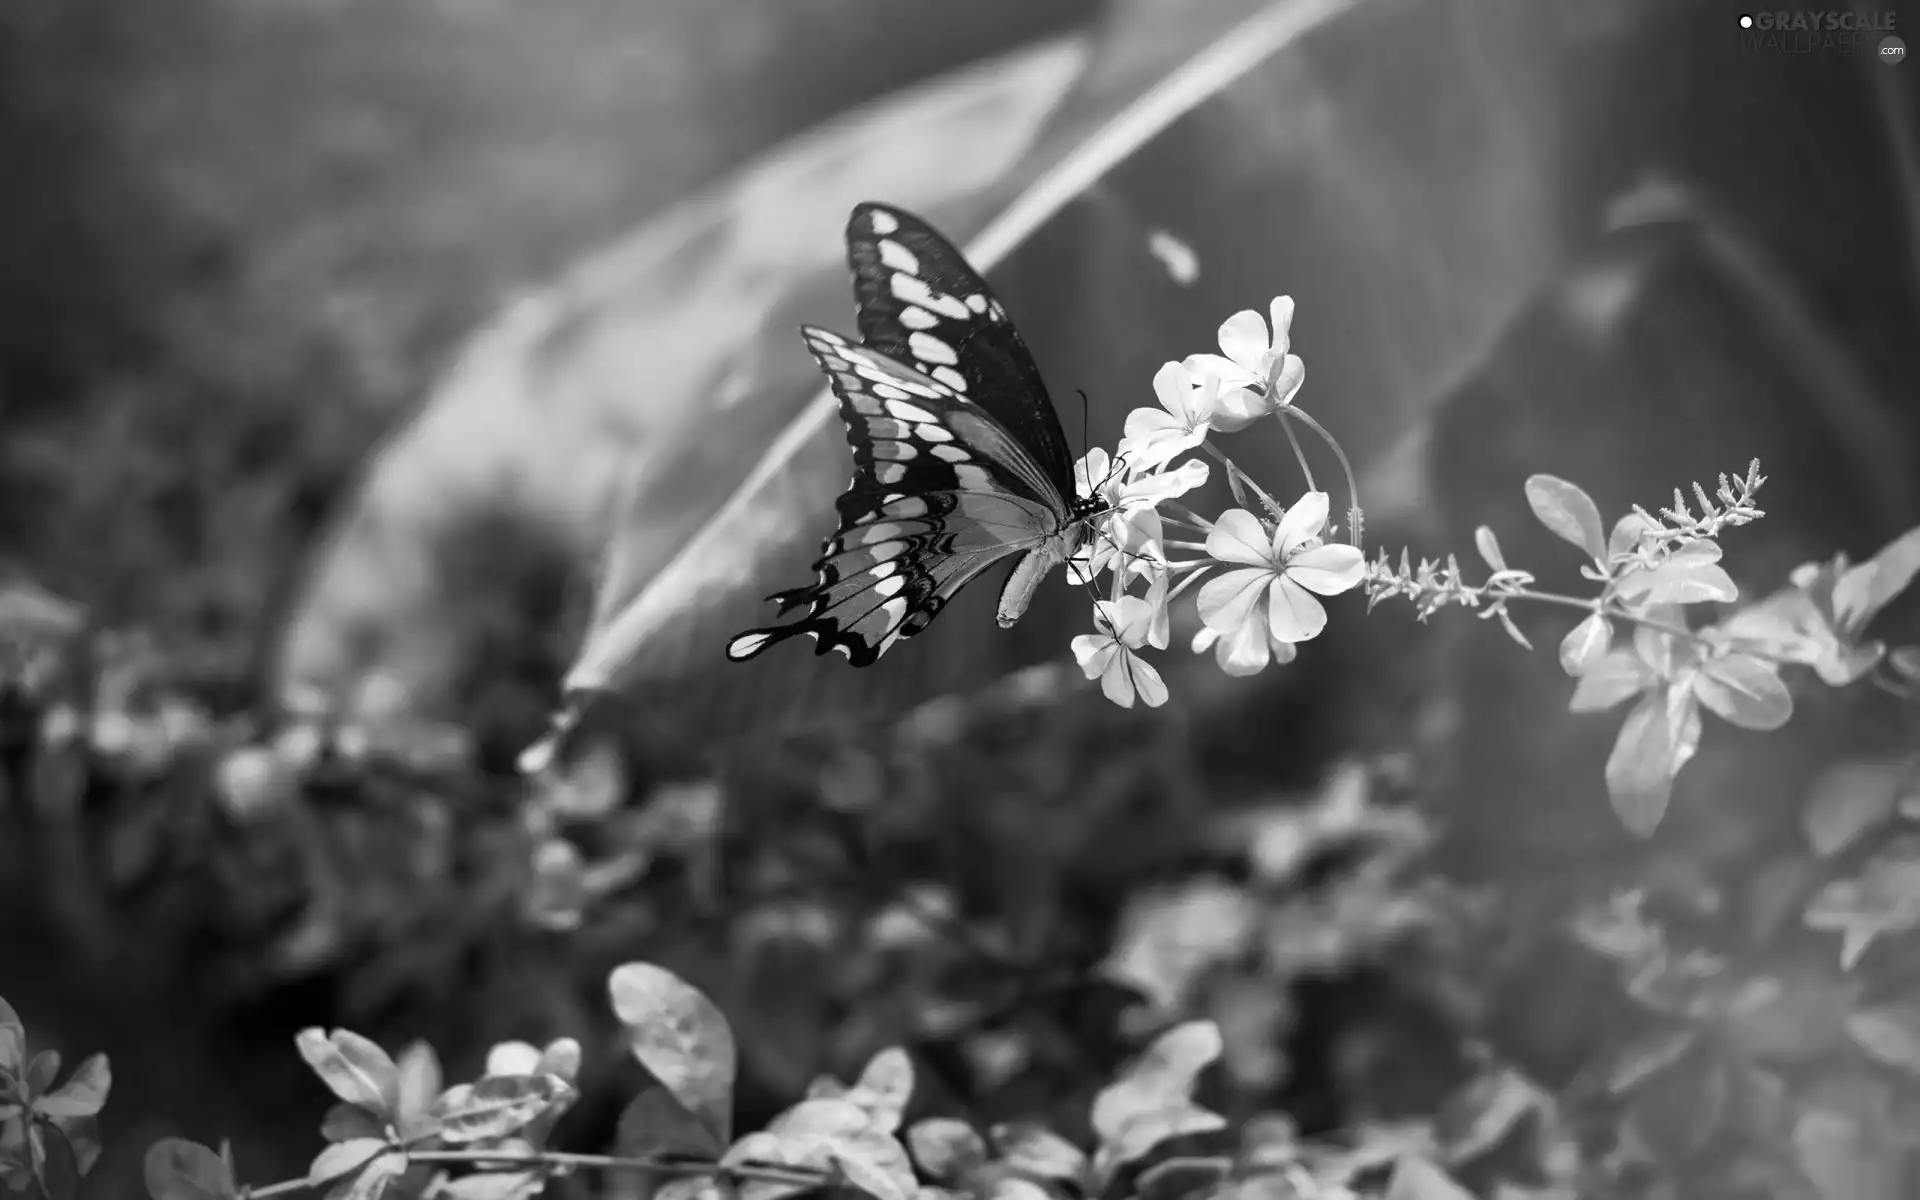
x=1489, y=548
x=372, y=1181
x=357, y=1070
x=946, y=1149
x=1414, y=1178
x=494, y=1185
x=177, y=1169
x=343, y=1158
x=500, y=1105
x=1161, y=1078
x=1653, y=744
x=1615, y=679
x=13, y=1039
x=1625, y=537
x=1140, y=1133
x=873, y=1177
x=682, y=1037
x=420, y=1082
x=1884, y=898
x=40, y=1072
x=1848, y=800
x=344, y=1122
x=1742, y=690
x=1890, y=1033
x=828, y=1136
x=1569, y=512
x=1586, y=645
x=1678, y=582
x=1034, y=1148
x=654, y=1124
x=83, y=1094
x=1860, y=593
x=826, y=1116
x=884, y=1088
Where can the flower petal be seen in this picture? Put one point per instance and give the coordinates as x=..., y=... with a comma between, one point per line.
x=1155, y=448
x=1146, y=679
x=1207, y=636
x=1243, y=338
x=1244, y=651
x=1230, y=374
x=1238, y=408
x=1142, y=421
x=1292, y=613
x=1133, y=619
x=1153, y=488
x=1301, y=524
x=1173, y=387
x=1092, y=651
x=1229, y=601
x=1117, y=680
x=1090, y=470
x=1328, y=570
x=1287, y=381
x=1238, y=538
x=1281, y=311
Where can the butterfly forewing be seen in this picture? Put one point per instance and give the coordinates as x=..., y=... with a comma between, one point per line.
x=920, y=303
x=940, y=493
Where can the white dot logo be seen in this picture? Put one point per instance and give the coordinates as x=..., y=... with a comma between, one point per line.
x=1746, y=22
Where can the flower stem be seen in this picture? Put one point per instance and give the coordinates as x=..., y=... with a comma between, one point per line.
x=1235, y=474
x=1289, y=412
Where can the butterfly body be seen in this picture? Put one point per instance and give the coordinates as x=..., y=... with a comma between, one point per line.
x=959, y=458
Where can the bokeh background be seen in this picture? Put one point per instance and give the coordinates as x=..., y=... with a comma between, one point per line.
x=347, y=347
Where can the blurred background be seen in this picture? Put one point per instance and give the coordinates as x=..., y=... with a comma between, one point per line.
x=347, y=350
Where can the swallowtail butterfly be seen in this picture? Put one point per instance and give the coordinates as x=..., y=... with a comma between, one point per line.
x=959, y=458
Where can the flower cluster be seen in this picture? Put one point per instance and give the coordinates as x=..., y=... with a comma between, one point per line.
x=1263, y=564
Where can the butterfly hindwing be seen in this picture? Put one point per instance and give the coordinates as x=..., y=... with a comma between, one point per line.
x=920, y=303
x=940, y=493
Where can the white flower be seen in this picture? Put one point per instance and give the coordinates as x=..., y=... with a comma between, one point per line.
x=1129, y=523
x=1286, y=568
x=1156, y=436
x=1252, y=360
x=1109, y=654
x=1245, y=651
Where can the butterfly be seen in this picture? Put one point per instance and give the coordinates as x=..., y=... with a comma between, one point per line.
x=959, y=458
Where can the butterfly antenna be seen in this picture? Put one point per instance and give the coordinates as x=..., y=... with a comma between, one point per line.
x=1086, y=428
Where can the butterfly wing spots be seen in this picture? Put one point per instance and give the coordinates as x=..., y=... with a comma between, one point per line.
x=826, y=637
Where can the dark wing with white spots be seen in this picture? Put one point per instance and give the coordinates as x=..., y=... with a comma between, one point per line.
x=920, y=303
x=940, y=492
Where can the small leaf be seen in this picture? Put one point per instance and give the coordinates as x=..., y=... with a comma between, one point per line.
x=1586, y=645
x=1860, y=594
x=1678, y=582
x=654, y=1124
x=1625, y=537
x=1616, y=678
x=1742, y=690
x=681, y=1036
x=1848, y=800
x=884, y=1088
x=1641, y=768
x=420, y=1082
x=500, y=1105
x=1489, y=547
x=177, y=1169
x=873, y=1179
x=946, y=1149
x=1140, y=1133
x=344, y=1158
x=826, y=1116
x=512, y=1058
x=1162, y=1078
x=13, y=1039
x=372, y=1180
x=1890, y=1033
x=1414, y=1178
x=83, y=1094
x=357, y=1070
x=1648, y=1057
x=494, y=1185
x=562, y=1058
x=1034, y=1148
x=41, y=1070
x=344, y=1122
x=1180, y=1178
x=1568, y=512
x=1513, y=631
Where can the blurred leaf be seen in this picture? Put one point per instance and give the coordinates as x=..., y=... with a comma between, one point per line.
x=560, y=1057
x=1860, y=594
x=372, y=1180
x=1653, y=744
x=1161, y=1079
x=1678, y=582
x=1648, y=1056
x=343, y=1158
x=345, y=1122
x=1585, y=647
x=946, y=1149
x=13, y=1039
x=1616, y=678
x=681, y=1037
x=1179, y=1177
x=1744, y=691
x=1035, y=1148
x=1569, y=512
x=1850, y=799
x=357, y=1070
x=1890, y=1033
x=1884, y=898
x=54, y=1164
x=501, y=1105
x=1414, y=1178
x=41, y=1071
x=884, y=1088
x=83, y=1094
x=495, y=1185
x=1139, y=1133
x=177, y=1169
x=655, y=1124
